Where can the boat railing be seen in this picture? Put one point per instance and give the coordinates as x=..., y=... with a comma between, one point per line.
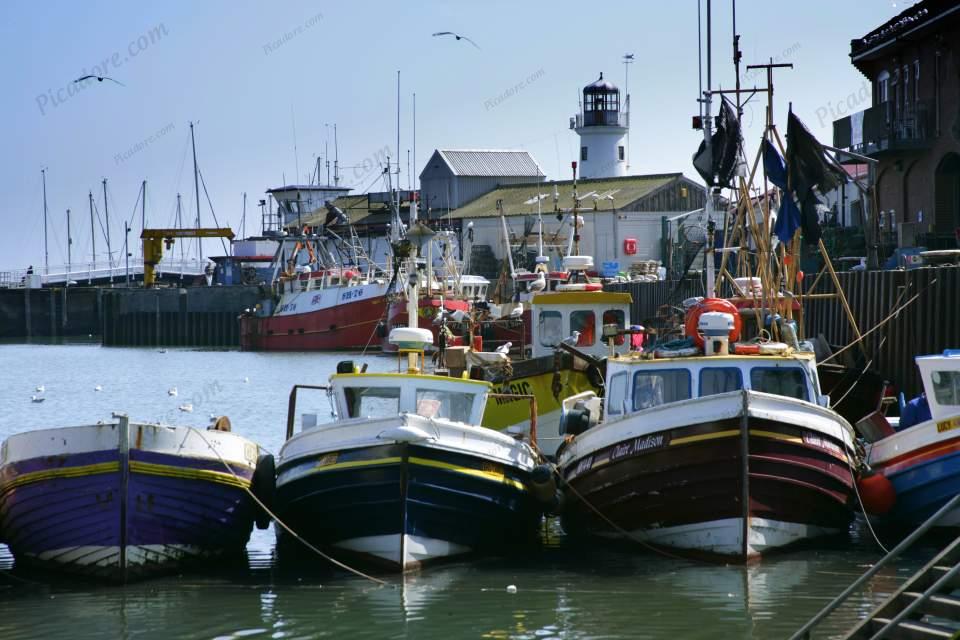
x=805, y=632
x=292, y=403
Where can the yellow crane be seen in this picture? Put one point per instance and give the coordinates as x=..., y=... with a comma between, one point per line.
x=155, y=239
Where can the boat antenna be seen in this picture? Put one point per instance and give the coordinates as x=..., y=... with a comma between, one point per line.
x=243, y=216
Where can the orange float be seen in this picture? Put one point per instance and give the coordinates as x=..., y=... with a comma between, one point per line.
x=711, y=304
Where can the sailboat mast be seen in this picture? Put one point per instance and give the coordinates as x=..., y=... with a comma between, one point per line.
x=46, y=252
x=180, y=226
x=69, y=243
x=106, y=216
x=143, y=207
x=93, y=233
x=196, y=188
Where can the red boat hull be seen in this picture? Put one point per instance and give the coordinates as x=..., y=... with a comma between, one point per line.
x=344, y=327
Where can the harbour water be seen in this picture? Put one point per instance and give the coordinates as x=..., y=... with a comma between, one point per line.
x=565, y=590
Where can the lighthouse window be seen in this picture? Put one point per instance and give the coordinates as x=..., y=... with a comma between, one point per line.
x=586, y=323
x=551, y=328
x=946, y=387
x=621, y=152
x=583, y=154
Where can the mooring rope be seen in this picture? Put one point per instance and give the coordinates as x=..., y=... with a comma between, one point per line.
x=280, y=522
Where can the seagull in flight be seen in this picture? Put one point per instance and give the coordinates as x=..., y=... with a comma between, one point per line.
x=99, y=79
x=457, y=36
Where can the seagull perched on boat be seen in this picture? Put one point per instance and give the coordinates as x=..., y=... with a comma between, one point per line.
x=457, y=36
x=99, y=79
x=517, y=311
x=172, y=391
x=572, y=339
x=539, y=284
x=504, y=348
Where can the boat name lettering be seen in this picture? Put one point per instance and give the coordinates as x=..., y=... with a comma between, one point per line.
x=289, y=306
x=817, y=441
x=315, y=300
x=636, y=445
x=513, y=389
x=582, y=467
x=948, y=425
x=352, y=294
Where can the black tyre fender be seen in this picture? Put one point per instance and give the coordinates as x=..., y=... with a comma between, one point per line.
x=264, y=486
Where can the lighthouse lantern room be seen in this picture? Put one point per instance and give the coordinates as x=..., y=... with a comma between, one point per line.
x=602, y=126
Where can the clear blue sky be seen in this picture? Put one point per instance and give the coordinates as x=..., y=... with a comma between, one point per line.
x=217, y=63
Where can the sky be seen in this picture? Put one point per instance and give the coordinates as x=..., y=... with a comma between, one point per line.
x=264, y=84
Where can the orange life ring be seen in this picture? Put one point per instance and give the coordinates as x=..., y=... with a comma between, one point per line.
x=711, y=304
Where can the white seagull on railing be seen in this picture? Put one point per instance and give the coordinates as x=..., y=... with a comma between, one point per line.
x=539, y=284
x=572, y=339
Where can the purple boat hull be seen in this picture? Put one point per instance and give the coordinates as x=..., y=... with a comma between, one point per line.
x=101, y=515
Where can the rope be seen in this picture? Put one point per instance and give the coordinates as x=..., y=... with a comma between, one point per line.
x=882, y=322
x=614, y=525
x=863, y=509
x=280, y=522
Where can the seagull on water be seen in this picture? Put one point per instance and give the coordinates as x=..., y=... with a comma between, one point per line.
x=457, y=36
x=99, y=79
x=98, y=388
x=37, y=398
x=41, y=388
x=172, y=391
x=186, y=407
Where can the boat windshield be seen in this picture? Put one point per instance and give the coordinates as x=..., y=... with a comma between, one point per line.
x=782, y=381
x=946, y=387
x=372, y=402
x=653, y=388
x=450, y=405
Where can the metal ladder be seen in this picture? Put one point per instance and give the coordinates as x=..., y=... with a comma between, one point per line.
x=922, y=607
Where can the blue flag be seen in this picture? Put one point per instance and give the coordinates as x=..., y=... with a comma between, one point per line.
x=788, y=219
x=774, y=166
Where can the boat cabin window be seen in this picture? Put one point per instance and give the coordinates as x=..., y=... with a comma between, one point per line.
x=653, y=388
x=450, y=405
x=617, y=393
x=720, y=380
x=615, y=316
x=372, y=402
x=782, y=381
x=551, y=328
x=946, y=387
x=586, y=323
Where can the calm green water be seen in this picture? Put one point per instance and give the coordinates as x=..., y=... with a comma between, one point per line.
x=563, y=591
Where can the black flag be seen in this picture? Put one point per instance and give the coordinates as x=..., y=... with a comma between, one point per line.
x=807, y=167
x=719, y=170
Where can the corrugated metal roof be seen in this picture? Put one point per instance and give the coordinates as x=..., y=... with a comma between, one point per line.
x=490, y=162
x=601, y=194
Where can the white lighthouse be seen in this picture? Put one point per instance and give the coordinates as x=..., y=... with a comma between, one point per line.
x=602, y=127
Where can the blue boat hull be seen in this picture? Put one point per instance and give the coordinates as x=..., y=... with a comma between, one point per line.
x=402, y=505
x=923, y=488
x=70, y=513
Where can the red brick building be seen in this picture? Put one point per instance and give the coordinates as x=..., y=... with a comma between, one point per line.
x=913, y=128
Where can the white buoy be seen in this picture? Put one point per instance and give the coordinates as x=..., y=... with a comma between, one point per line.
x=511, y=588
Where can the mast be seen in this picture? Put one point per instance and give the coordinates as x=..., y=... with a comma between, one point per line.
x=707, y=136
x=143, y=213
x=414, y=138
x=46, y=252
x=336, y=158
x=196, y=188
x=93, y=234
x=243, y=217
x=69, y=242
x=398, y=139
x=106, y=216
x=180, y=226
